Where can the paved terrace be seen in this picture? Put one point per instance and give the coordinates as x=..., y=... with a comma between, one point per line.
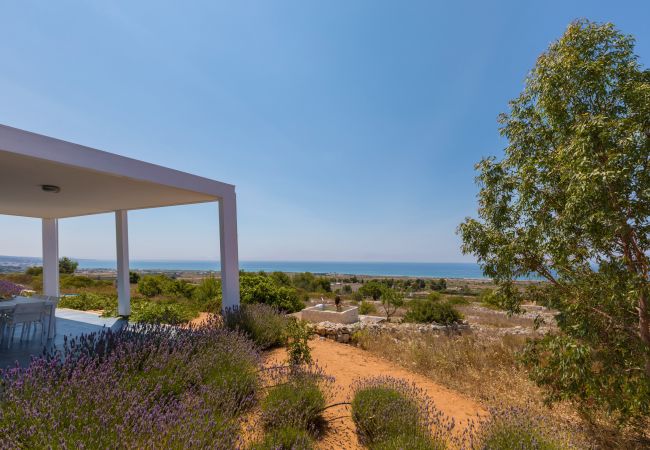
x=69, y=323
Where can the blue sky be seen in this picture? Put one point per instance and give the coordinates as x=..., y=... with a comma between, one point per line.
x=350, y=128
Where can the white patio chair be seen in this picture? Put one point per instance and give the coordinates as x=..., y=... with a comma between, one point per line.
x=4, y=318
x=50, y=310
x=28, y=315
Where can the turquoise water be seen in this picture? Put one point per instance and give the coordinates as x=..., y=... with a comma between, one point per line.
x=442, y=270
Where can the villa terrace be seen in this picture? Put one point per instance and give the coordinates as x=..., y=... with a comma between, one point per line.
x=50, y=179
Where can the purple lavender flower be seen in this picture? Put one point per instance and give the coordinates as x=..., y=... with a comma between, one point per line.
x=9, y=289
x=147, y=386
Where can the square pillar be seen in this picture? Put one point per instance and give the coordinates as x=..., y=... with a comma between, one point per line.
x=123, y=283
x=51, y=257
x=229, y=251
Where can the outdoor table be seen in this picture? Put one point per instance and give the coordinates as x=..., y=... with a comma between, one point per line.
x=9, y=305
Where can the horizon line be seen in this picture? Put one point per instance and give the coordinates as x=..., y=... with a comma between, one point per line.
x=255, y=260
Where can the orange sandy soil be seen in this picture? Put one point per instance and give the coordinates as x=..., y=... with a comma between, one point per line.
x=347, y=363
x=203, y=316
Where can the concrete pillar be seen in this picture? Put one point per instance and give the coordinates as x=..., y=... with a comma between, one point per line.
x=123, y=284
x=51, y=257
x=229, y=251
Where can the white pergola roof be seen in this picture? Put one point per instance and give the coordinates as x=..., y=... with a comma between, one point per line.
x=91, y=181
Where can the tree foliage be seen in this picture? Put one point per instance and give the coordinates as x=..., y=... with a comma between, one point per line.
x=372, y=289
x=311, y=283
x=261, y=288
x=67, y=265
x=570, y=202
x=390, y=301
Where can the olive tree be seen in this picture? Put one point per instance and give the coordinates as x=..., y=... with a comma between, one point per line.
x=570, y=202
x=391, y=300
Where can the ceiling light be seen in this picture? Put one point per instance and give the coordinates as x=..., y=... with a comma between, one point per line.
x=50, y=188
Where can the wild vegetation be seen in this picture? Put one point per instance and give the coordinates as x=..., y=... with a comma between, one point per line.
x=389, y=413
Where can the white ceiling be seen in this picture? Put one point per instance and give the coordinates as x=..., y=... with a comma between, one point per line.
x=83, y=191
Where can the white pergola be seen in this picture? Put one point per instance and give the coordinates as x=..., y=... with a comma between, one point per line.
x=51, y=179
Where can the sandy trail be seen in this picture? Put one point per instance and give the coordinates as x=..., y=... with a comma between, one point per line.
x=347, y=363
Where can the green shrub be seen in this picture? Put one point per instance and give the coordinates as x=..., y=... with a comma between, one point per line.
x=155, y=285
x=34, y=271
x=263, y=324
x=264, y=289
x=297, y=402
x=134, y=277
x=383, y=412
x=426, y=311
x=287, y=438
x=434, y=296
x=88, y=301
x=367, y=308
x=155, y=312
x=281, y=278
x=297, y=334
x=311, y=283
x=491, y=299
x=152, y=285
x=208, y=294
x=67, y=265
x=357, y=296
x=80, y=282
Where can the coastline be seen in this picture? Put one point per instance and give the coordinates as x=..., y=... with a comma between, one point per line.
x=470, y=272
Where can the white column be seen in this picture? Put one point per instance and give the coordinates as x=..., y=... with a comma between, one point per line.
x=229, y=251
x=123, y=284
x=51, y=257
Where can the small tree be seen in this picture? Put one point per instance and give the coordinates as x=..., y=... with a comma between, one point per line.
x=570, y=202
x=34, y=271
x=372, y=289
x=134, y=277
x=296, y=339
x=390, y=301
x=67, y=265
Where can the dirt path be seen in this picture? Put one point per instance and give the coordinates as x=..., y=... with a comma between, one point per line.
x=347, y=363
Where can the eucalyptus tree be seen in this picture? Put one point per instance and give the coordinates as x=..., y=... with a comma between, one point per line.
x=570, y=202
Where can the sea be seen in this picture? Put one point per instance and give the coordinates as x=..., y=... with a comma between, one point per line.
x=397, y=269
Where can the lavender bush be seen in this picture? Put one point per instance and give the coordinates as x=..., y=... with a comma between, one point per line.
x=514, y=427
x=147, y=386
x=296, y=398
x=390, y=413
x=9, y=289
x=264, y=324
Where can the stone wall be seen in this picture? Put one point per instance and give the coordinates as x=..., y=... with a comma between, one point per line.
x=343, y=332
